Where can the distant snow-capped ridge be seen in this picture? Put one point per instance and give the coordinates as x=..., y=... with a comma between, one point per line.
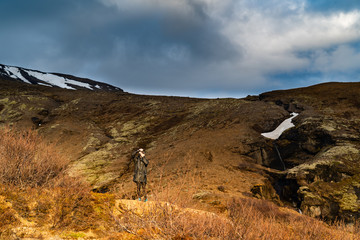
x=52, y=79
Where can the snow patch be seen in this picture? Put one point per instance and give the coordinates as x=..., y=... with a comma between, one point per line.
x=285, y=125
x=50, y=78
x=45, y=84
x=80, y=84
x=56, y=80
x=13, y=71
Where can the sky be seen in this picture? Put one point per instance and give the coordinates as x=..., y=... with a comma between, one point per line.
x=196, y=48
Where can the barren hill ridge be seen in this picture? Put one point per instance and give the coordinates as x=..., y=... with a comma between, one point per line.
x=313, y=166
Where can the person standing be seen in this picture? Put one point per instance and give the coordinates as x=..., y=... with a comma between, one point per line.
x=140, y=172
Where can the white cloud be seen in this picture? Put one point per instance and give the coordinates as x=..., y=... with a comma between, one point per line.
x=272, y=34
x=342, y=59
x=272, y=41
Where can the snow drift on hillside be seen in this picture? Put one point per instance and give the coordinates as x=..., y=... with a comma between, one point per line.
x=286, y=124
x=52, y=79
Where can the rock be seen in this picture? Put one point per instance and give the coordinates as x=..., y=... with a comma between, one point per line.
x=349, y=202
x=215, y=202
x=92, y=166
x=265, y=191
x=92, y=144
x=202, y=195
x=311, y=203
x=221, y=188
x=312, y=211
x=329, y=185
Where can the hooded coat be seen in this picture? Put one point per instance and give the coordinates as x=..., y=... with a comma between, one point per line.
x=140, y=167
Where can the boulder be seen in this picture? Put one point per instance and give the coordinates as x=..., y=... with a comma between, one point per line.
x=329, y=186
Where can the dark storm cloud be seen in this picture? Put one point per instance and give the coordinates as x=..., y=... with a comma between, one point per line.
x=146, y=35
x=153, y=48
x=31, y=30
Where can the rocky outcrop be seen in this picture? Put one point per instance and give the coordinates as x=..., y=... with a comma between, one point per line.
x=321, y=153
x=329, y=184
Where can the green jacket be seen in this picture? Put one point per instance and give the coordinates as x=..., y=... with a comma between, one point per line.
x=140, y=168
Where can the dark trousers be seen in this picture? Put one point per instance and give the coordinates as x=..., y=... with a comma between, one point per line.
x=141, y=190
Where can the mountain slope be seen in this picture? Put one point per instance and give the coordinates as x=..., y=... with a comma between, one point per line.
x=51, y=79
x=219, y=141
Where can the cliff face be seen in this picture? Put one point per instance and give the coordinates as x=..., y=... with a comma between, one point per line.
x=322, y=151
x=218, y=140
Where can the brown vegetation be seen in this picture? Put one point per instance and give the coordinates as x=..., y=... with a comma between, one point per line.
x=83, y=212
x=243, y=219
x=26, y=160
x=57, y=205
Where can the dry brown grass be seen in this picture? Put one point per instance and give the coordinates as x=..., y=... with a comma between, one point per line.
x=34, y=188
x=26, y=160
x=166, y=221
x=179, y=188
x=70, y=207
x=243, y=219
x=259, y=219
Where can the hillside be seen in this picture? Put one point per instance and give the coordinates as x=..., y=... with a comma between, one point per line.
x=218, y=141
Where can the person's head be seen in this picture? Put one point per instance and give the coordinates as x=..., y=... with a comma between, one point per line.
x=141, y=152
